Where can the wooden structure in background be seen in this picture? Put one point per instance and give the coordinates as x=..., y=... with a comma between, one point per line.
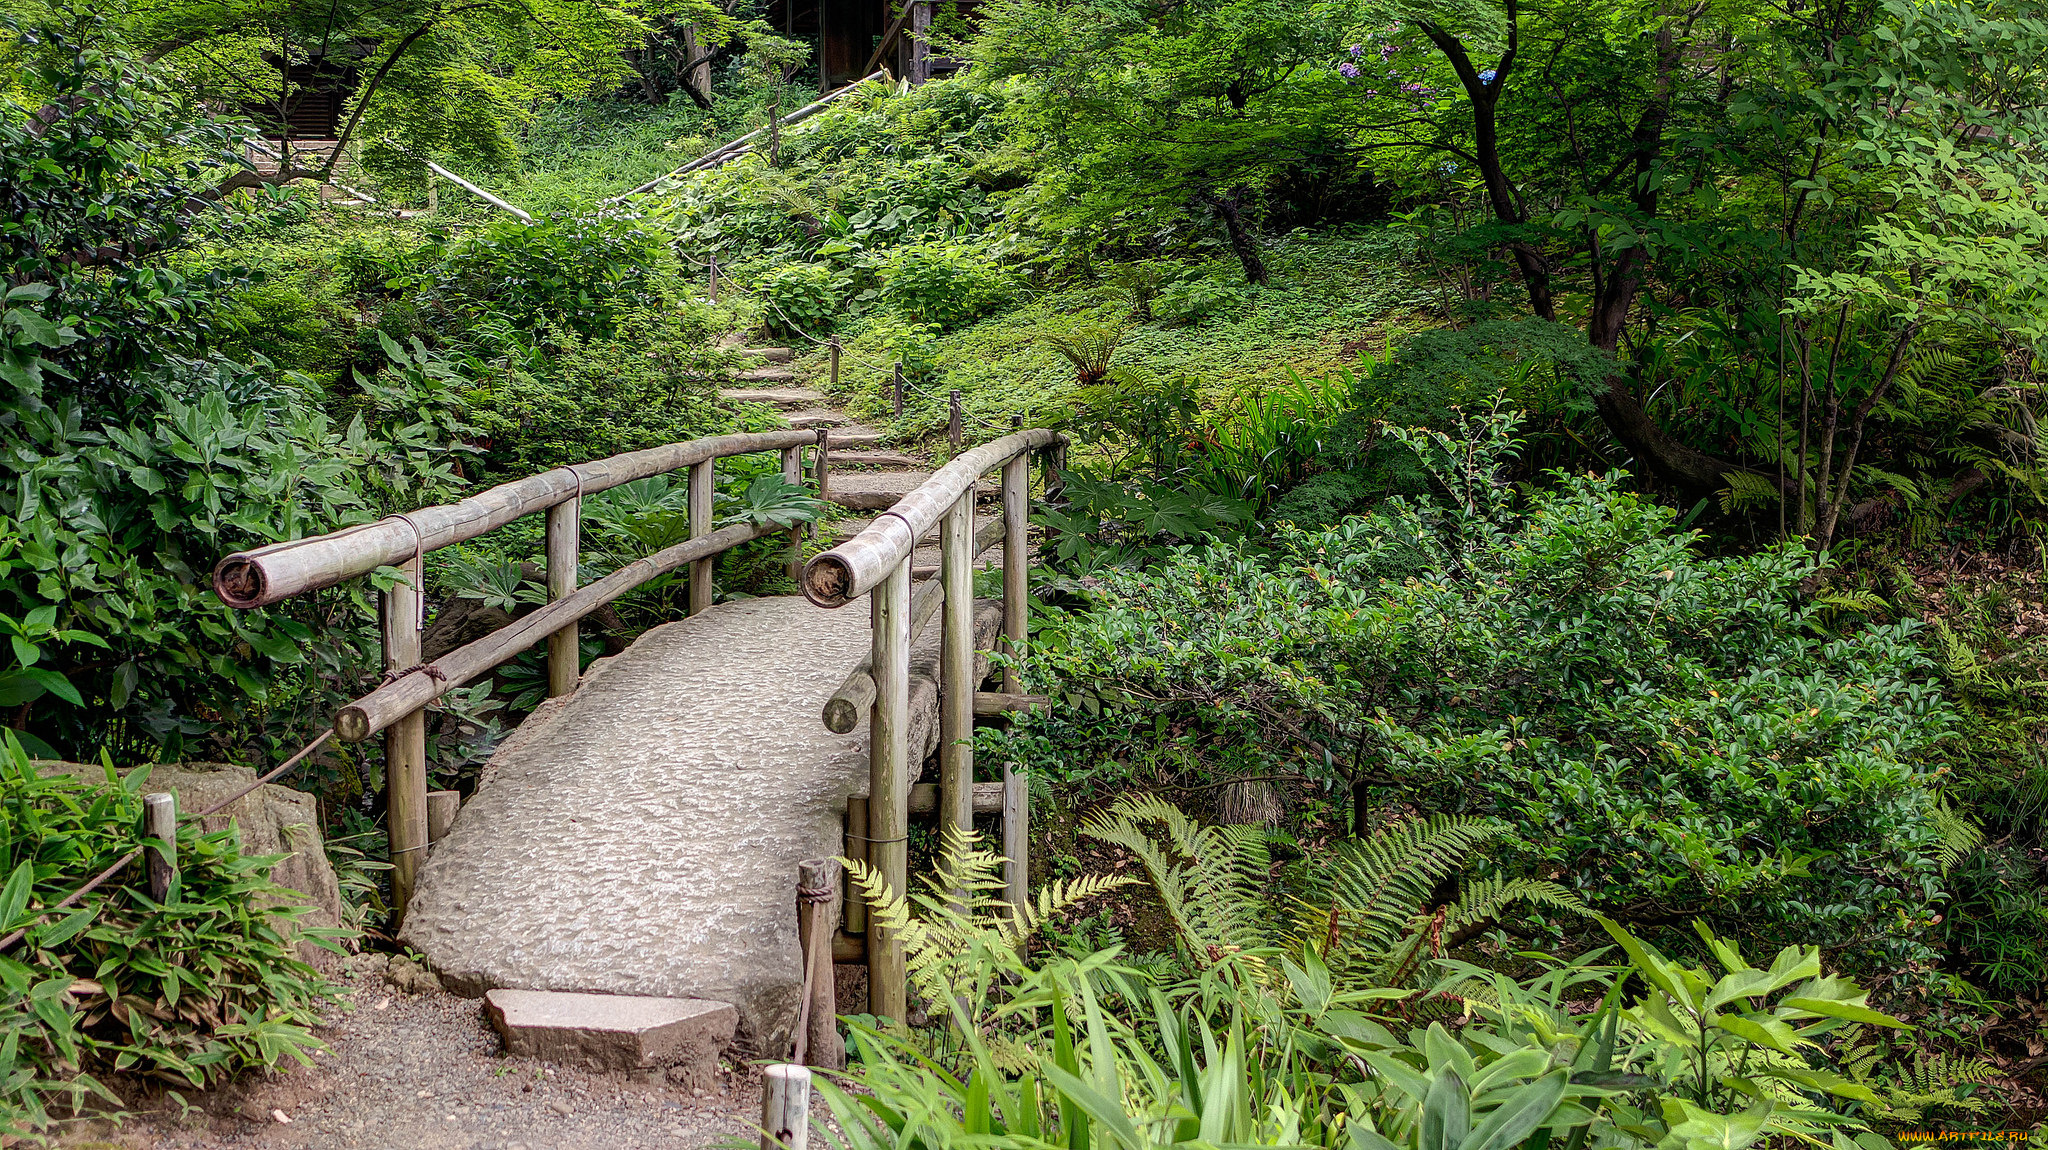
x=854, y=37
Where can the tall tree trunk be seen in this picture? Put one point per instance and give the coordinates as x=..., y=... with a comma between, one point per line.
x=1230, y=209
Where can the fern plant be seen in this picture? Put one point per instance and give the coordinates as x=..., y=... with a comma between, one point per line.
x=1906, y=1092
x=1370, y=916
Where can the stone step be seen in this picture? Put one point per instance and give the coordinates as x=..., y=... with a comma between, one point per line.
x=854, y=436
x=772, y=396
x=685, y=1036
x=772, y=354
x=818, y=417
x=873, y=490
x=766, y=375
x=877, y=459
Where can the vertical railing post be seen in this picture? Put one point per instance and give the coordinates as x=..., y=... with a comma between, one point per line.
x=822, y=462
x=1016, y=563
x=855, y=916
x=897, y=391
x=889, y=783
x=793, y=474
x=953, y=429
x=956, y=669
x=1016, y=838
x=702, y=484
x=405, y=741
x=565, y=656
x=714, y=277
x=160, y=825
x=834, y=385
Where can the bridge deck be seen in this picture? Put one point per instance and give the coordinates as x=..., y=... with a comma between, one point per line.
x=641, y=836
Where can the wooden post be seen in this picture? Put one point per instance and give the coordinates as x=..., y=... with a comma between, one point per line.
x=1016, y=564
x=1016, y=837
x=889, y=784
x=953, y=421
x=897, y=391
x=822, y=460
x=160, y=825
x=433, y=196
x=834, y=385
x=956, y=670
x=817, y=883
x=793, y=473
x=785, y=1108
x=702, y=484
x=713, y=259
x=565, y=656
x=855, y=915
x=405, y=742
x=442, y=807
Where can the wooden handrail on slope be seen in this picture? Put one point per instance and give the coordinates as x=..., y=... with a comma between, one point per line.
x=267, y=575
x=876, y=563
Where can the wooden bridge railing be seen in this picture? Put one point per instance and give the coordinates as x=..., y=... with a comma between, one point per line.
x=876, y=563
x=397, y=708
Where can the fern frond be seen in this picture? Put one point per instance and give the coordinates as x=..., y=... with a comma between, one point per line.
x=1747, y=490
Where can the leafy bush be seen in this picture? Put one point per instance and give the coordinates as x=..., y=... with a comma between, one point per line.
x=189, y=991
x=944, y=284
x=1669, y=736
x=583, y=271
x=800, y=298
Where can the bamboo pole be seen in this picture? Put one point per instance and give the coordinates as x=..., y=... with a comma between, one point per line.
x=405, y=742
x=380, y=708
x=160, y=826
x=480, y=193
x=857, y=691
x=818, y=896
x=846, y=572
x=889, y=785
x=702, y=485
x=793, y=474
x=956, y=674
x=896, y=392
x=855, y=914
x=565, y=654
x=924, y=799
x=271, y=574
x=1016, y=838
x=1016, y=564
x=785, y=1108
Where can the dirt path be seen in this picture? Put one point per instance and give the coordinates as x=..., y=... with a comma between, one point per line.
x=425, y=1072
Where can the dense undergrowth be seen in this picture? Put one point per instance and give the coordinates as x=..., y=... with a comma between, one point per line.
x=1362, y=556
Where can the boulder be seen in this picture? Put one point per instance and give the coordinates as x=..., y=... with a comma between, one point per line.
x=616, y=1031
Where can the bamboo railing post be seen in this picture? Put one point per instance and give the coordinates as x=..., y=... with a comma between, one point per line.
x=1016, y=564
x=793, y=474
x=565, y=656
x=817, y=911
x=897, y=390
x=953, y=430
x=785, y=1107
x=1016, y=837
x=405, y=742
x=889, y=784
x=956, y=670
x=160, y=826
x=855, y=915
x=702, y=484
x=713, y=257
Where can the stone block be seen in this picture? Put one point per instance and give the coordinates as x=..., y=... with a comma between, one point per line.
x=615, y=1031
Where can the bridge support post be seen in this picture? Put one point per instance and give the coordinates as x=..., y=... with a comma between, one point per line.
x=702, y=484
x=565, y=657
x=956, y=671
x=889, y=784
x=405, y=741
x=1016, y=838
x=1016, y=563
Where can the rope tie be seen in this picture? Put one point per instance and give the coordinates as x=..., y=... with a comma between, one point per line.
x=433, y=671
x=815, y=894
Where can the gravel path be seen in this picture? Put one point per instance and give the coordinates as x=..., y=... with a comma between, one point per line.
x=424, y=1072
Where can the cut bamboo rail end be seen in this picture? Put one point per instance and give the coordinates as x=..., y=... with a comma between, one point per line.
x=785, y=1108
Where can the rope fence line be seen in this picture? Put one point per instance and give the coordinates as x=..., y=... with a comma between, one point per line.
x=122, y=863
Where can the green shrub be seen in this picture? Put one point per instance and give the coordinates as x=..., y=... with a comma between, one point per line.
x=1669, y=736
x=944, y=284
x=189, y=991
x=800, y=298
x=582, y=271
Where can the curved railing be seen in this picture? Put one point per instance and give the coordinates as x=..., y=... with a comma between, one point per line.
x=877, y=564
x=396, y=708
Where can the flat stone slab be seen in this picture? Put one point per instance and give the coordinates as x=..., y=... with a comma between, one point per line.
x=772, y=396
x=872, y=490
x=766, y=375
x=644, y=840
x=818, y=417
x=854, y=436
x=614, y=1031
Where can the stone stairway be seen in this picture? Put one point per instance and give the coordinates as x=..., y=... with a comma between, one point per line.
x=864, y=477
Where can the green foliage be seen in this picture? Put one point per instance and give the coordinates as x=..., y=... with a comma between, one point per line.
x=189, y=991
x=944, y=284
x=1658, y=728
x=584, y=272
x=772, y=501
x=800, y=298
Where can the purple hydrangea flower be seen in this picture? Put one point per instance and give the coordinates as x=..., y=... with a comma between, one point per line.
x=1387, y=52
x=1348, y=70
x=1356, y=50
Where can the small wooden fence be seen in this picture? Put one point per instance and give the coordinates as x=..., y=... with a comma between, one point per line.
x=877, y=564
x=397, y=708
